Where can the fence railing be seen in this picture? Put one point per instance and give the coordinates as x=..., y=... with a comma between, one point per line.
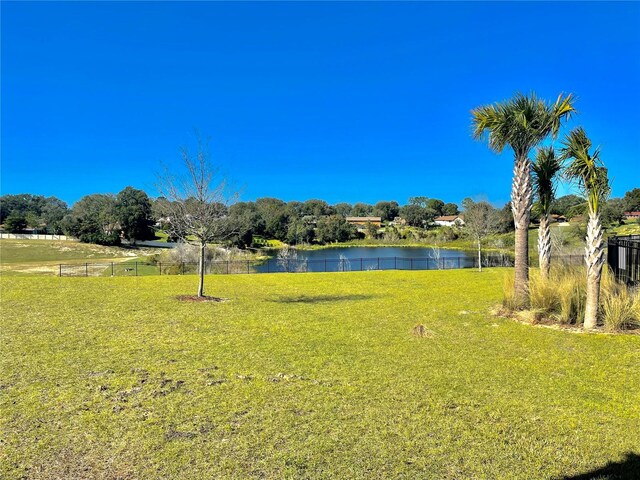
x=35, y=236
x=292, y=265
x=623, y=257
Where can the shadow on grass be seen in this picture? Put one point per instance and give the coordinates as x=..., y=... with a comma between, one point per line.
x=627, y=469
x=321, y=298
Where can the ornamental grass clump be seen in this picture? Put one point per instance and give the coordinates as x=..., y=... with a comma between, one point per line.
x=562, y=299
x=620, y=305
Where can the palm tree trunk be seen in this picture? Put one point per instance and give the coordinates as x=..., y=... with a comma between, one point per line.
x=203, y=247
x=594, y=258
x=544, y=246
x=521, y=197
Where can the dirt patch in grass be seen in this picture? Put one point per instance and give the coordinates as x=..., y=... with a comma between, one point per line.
x=195, y=298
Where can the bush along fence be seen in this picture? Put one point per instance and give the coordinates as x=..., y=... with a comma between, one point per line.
x=298, y=265
x=623, y=257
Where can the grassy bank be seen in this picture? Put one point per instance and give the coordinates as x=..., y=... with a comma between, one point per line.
x=43, y=256
x=303, y=376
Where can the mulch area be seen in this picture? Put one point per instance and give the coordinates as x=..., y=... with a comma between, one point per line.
x=195, y=298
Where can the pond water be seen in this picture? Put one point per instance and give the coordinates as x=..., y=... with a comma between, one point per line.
x=376, y=258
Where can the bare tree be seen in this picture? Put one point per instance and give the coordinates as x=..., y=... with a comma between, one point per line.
x=198, y=201
x=480, y=220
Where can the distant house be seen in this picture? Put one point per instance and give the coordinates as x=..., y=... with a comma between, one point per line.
x=398, y=222
x=631, y=215
x=362, y=221
x=557, y=218
x=449, y=220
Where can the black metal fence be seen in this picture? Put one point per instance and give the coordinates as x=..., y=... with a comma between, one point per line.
x=623, y=257
x=274, y=265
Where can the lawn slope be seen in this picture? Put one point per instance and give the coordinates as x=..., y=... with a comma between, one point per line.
x=303, y=376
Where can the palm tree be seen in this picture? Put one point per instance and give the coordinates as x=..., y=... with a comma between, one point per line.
x=521, y=122
x=591, y=175
x=545, y=168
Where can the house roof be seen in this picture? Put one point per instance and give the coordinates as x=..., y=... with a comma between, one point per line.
x=364, y=219
x=448, y=218
x=632, y=214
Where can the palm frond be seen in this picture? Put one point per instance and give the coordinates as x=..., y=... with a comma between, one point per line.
x=521, y=122
x=585, y=168
x=545, y=169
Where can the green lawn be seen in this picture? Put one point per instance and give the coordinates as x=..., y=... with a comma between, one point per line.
x=303, y=376
x=43, y=256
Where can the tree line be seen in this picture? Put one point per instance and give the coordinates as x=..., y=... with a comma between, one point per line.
x=132, y=214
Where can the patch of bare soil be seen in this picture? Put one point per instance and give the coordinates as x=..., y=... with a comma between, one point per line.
x=195, y=298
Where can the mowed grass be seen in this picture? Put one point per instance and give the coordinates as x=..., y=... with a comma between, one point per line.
x=304, y=376
x=43, y=256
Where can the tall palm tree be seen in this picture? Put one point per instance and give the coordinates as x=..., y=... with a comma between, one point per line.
x=587, y=169
x=545, y=168
x=521, y=122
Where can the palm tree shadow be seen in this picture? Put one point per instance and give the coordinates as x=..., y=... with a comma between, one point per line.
x=321, y=298
x=627, y=469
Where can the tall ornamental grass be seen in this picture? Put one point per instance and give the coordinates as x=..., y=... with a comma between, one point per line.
x=562, y=297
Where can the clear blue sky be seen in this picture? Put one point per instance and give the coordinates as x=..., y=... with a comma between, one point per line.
x=339, y=101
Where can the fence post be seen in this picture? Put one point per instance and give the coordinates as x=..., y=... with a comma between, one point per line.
x=458, y=262
x=268, y=266
x=112, y=269
x=136, y=268
x=160, y=267
x=378, y=263
x=360, y=263
x=248, y=267
x=60, y=269
x=325, y=265
x=395, y=263
x=227, y=267
x=86, y=269
x=442, y=264
x=411, y=263
x=182, y=268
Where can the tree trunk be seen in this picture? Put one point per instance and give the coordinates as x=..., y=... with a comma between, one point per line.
x=203, y=247
x=479, y=256
x=521, y=197
x=594, y=258
x=544, y=246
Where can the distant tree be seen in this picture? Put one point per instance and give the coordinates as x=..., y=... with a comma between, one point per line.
x=450, y=209
x=245, y=222
x=613, y=211
x=362, y=210
x=197, y=210
x=21, y=205
x=332, y=229
x=566, y=205
x=93, y=219
x=134, y=213
x=371, y=230
x=37, y=210
x=415, y=215
x=505, y=219
x=53, y=211
x=275, y=217
x=343, y=209
x=316, y=208
x=586, y=168
x=631, y=200
x=480, y=221
x=521, y=123
x=300, y=231
x=419, y=201
x=386, y=210
x=15, y=223
x=435, y=206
